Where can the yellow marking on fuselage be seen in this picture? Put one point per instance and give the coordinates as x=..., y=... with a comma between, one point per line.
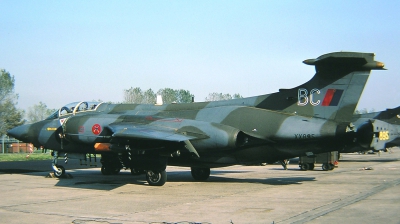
x=384, y=135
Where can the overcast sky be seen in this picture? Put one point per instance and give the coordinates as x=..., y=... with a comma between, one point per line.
x=66, y=51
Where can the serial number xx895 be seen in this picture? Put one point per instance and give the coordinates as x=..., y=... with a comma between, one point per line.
x=304, y=136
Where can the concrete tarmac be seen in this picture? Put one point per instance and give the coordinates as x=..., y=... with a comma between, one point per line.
x=363, y=189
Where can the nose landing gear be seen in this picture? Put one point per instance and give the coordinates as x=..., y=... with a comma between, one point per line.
x=59, y=171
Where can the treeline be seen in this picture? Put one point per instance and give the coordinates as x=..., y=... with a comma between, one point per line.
x=221, y=96
x=137, y=95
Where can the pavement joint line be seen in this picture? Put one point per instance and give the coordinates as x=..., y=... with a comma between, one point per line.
x=338, y=204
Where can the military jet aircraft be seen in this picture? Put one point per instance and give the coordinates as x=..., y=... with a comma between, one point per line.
x=313, y=117
x=376, y=131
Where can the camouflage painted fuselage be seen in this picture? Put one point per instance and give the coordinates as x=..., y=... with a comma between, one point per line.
x=311, y=118
x=221, y=133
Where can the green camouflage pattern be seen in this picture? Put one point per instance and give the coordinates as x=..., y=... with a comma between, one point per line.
x=311, y=118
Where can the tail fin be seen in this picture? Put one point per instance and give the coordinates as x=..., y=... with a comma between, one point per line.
x=334, y=91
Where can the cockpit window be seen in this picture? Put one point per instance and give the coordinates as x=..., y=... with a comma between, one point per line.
x=73, y=108
x=54, y=115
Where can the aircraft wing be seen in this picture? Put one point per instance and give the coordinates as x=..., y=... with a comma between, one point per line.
x=153, y=132
x=149, y=132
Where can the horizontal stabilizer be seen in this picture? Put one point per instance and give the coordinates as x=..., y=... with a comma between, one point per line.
x=346, y=59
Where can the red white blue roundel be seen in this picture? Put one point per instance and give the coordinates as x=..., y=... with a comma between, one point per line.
x=96, y=129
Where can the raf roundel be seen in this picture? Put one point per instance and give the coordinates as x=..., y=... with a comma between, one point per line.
x=96, y=129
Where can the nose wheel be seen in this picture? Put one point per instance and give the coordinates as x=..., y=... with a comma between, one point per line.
x=60, y=171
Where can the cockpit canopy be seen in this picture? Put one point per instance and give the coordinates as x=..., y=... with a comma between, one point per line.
x=73, y=108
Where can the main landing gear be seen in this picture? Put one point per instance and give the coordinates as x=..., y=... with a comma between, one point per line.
x=108, y=170
x=152, y=167
x=156, y=178
x=200, y=174
x=159, y=178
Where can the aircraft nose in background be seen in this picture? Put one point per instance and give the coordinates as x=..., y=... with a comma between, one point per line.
x=20, y=133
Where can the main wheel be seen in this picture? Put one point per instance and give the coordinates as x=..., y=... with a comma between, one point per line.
x=200, y=173
x=156, y=178
x=60, y=171
x=115, y=171
x=108, y=170
x=105, y=170
x=331, y=166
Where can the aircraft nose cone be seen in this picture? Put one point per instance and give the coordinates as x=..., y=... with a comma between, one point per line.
x=20, y=133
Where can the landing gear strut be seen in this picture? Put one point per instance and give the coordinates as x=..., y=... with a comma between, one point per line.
x=108, y=170
x=59, y=170
x=111, y=164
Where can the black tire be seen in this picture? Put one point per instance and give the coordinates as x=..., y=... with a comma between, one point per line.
x=302, y=167
x=331, y=166
x=105, y=170
x=156, y=178
x=60, y=172
x=305, y=166
x=200, y=174
x=325, y=166
x=115, y=171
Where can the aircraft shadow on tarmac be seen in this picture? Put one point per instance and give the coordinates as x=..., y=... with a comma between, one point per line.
x=100, y=182
x=17, y=171
x=93, y=179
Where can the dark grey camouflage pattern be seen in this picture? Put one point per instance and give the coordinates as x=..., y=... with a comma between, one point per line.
x=311, y=118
